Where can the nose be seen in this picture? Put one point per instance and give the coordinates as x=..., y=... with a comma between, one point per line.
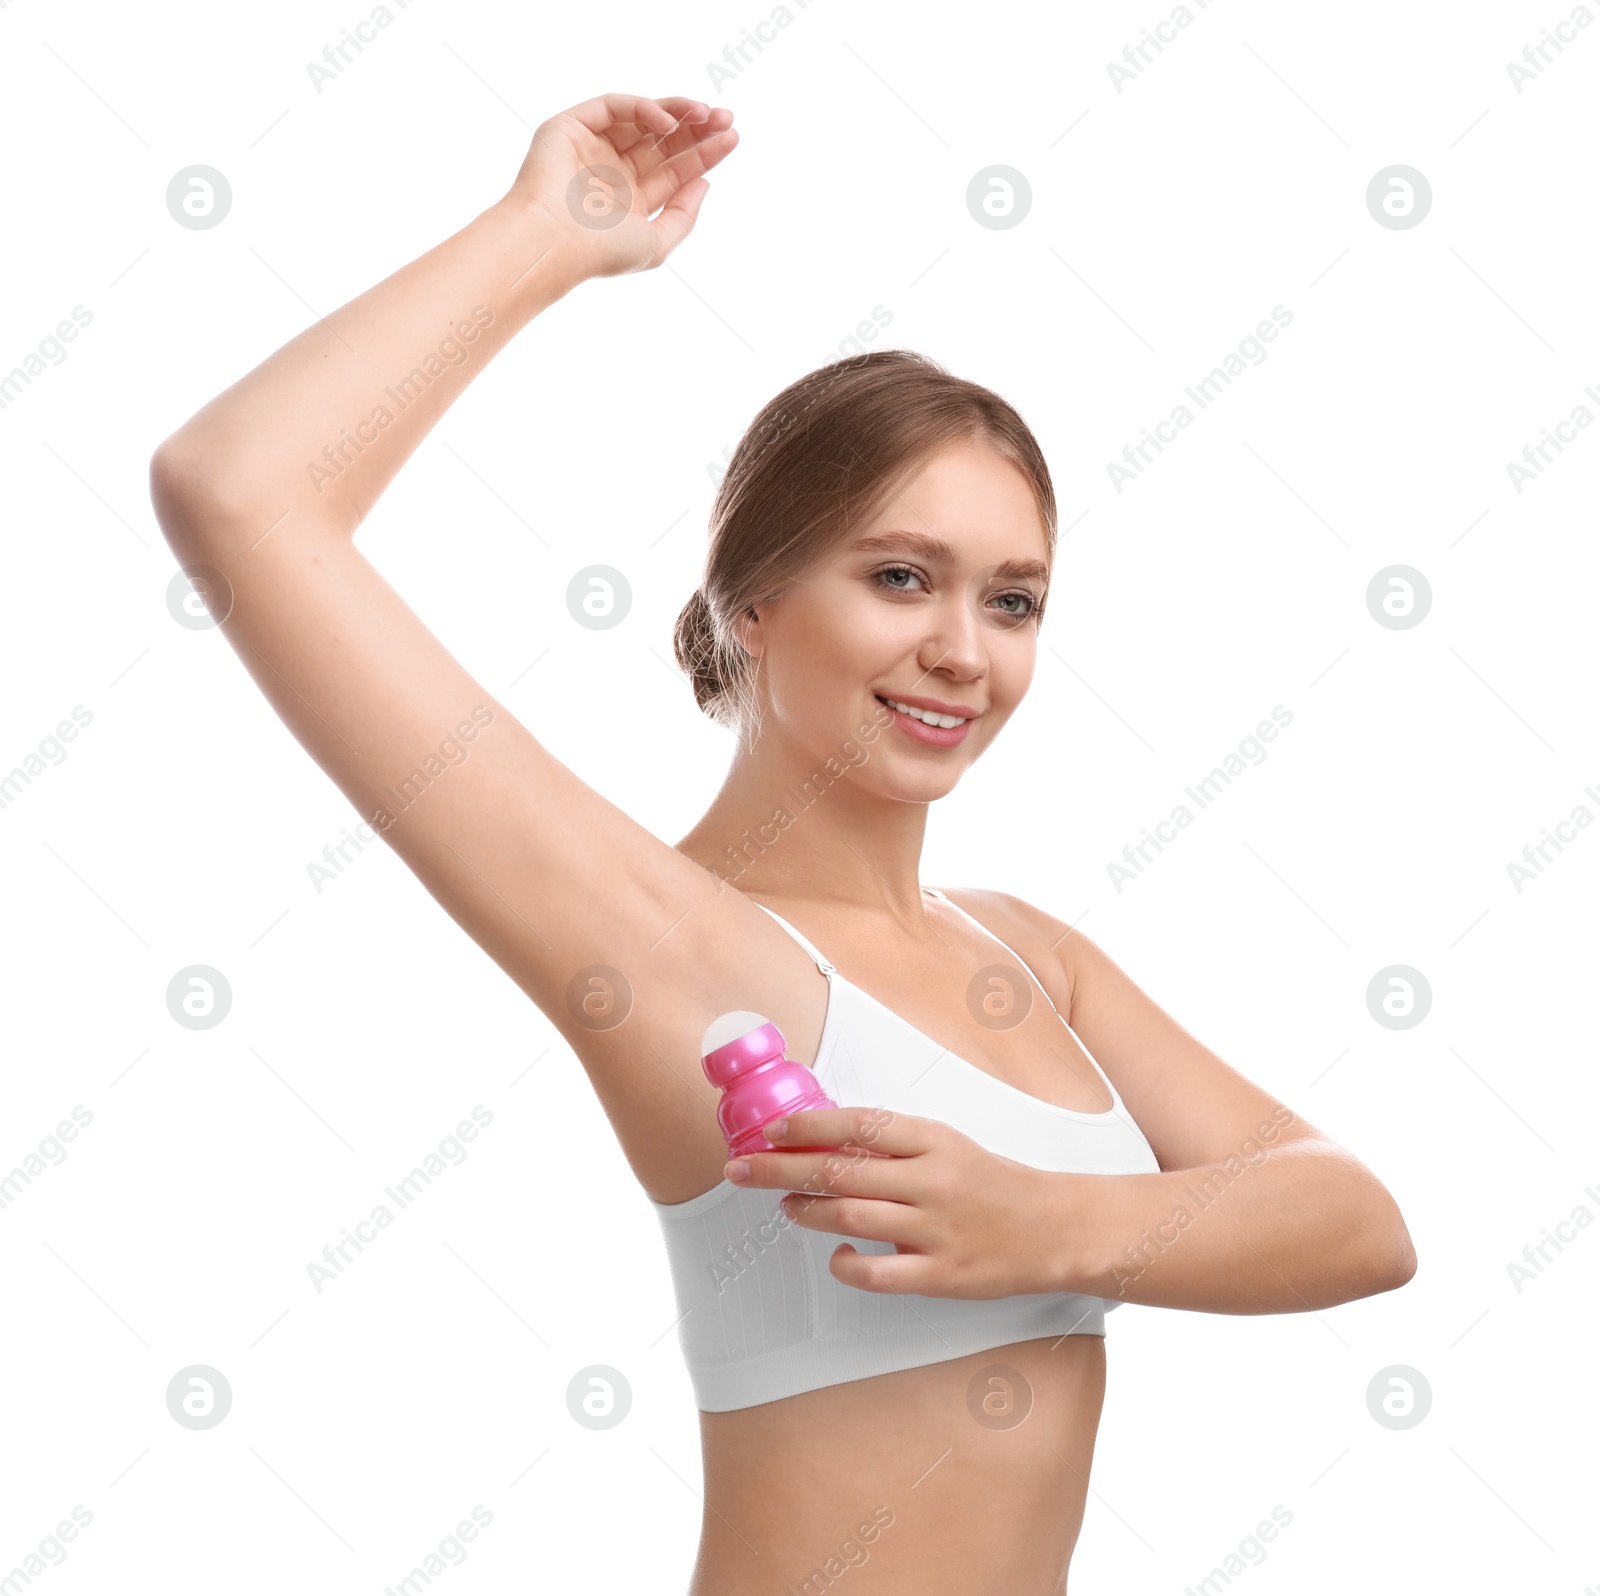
x=954, y=641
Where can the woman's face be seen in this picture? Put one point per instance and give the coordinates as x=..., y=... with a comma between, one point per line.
x=932, y=604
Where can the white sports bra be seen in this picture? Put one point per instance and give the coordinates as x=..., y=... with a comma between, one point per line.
x=760, y=1316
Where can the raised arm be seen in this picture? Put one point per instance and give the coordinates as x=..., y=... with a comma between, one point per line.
x=593, y=916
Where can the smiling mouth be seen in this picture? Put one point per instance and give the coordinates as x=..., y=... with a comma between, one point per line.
x=926, y=716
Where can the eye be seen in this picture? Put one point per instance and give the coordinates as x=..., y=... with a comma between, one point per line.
x=1028, y=606
x=897, y=570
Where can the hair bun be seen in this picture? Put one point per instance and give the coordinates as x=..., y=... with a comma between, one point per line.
x=694, y=642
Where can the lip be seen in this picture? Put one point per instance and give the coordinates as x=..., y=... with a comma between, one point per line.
x=934, y=705
x=920, y=731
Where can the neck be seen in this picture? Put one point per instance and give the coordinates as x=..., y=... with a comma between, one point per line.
x=792, y=825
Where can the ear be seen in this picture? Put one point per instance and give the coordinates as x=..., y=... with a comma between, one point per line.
x=747, y=631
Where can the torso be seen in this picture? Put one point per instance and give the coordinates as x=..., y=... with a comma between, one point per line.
x=970, y=1474
x=958, y=1505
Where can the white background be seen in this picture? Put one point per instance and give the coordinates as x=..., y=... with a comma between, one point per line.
x=1167, y=219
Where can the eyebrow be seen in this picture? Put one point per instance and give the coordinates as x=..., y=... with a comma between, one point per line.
x=937, y=551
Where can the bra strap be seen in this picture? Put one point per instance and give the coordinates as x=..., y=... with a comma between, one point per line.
x=973, y=920
x=822, y=963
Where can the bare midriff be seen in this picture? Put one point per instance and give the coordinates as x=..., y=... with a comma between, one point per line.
x=950, y=1479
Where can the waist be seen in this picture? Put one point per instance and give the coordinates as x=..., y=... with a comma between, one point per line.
x=967, y=1474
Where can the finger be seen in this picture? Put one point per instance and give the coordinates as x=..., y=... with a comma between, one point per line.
x=658, y=188
x=861, y=1217
x=851, y=1172
x=649, y=148
x=813, y=1172
x=677, y=216
x=880, y=1130
x=660, y=175
x=832, y=1176
x=606, y=110
x=905, y=1272
x=684, y=108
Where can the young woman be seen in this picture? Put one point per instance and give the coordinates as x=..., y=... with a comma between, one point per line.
x=916, y=1403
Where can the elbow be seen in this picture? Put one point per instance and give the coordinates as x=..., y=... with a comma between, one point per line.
x=176, y=487
x=1391, y=1253
x=188, y=496
x=1406, y=1258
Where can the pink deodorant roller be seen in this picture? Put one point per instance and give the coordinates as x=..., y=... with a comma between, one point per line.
x=743, y=1053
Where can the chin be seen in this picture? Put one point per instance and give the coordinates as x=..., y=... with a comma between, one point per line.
x=920, y=786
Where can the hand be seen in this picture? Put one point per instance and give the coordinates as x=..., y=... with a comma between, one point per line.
x=601, y=170
x=965, y=1222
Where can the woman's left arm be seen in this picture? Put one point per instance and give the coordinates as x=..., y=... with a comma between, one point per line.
x=1252, y=1210
x=1255, y=1210
x=1284, y=1225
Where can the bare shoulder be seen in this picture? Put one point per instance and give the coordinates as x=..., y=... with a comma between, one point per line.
x=1046, y=942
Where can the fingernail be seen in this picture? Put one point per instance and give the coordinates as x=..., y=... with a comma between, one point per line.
x=776, y=1129
x=737, y=1169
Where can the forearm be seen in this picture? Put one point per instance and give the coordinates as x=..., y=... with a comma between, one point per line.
x=1305, y=1226
x=320, y=428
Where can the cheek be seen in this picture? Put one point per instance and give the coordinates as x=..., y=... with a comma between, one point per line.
x=1013, y=657
x=835, y=647
x=812, y=673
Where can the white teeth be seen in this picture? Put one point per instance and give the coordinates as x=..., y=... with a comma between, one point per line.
x=945, y=721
